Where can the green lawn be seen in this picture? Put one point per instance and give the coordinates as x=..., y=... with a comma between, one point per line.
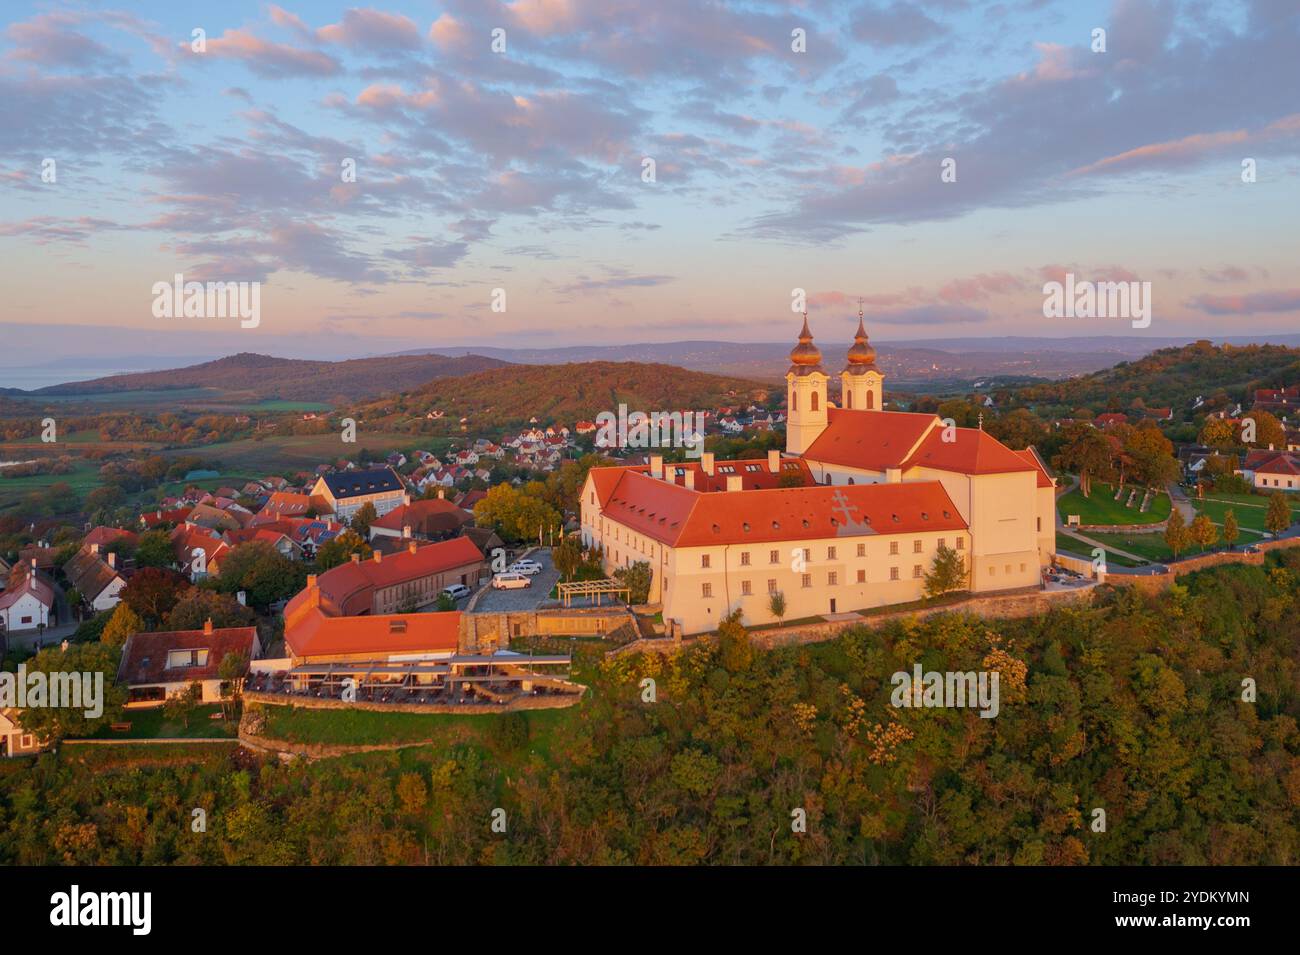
x=299, y=452
x=153, y=724
x=1150, y=546
x=83, y=479
x=1078, y=548
x=1101, y=507
x=1249, y=508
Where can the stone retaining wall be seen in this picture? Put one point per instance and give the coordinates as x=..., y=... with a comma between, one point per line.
x=1154, y=583
x=548, y=702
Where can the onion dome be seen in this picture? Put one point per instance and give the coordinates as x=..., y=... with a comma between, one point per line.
x=805, y=357
x=862, y=357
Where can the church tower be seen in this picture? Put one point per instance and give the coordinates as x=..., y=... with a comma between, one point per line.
x=805, y=394
x=861, y=381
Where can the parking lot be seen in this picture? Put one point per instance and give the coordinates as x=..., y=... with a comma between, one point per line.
x=525, y=598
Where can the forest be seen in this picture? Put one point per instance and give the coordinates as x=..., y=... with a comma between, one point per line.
x=1175, y=715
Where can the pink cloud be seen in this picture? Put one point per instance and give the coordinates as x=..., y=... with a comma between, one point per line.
x=266, y=58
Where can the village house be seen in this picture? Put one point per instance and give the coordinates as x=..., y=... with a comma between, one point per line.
x=14, y=740
x=159, y=665
x=431, y=520
x=343, y=494
x=96, y=576
x=27, y=603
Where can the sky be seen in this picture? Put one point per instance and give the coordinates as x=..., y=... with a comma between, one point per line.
x=503, y=151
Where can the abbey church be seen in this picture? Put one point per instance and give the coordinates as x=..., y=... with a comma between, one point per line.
x=850, y=517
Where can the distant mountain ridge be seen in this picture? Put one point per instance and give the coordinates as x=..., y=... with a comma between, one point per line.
x=267, y=377
x=916, y=362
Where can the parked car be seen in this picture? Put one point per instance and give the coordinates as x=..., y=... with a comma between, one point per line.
x=456, y=591
x=510, y=581
x=528, y=568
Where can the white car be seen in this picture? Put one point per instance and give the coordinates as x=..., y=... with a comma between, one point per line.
x=529, y=568
x=456, y=591
x=510, y=581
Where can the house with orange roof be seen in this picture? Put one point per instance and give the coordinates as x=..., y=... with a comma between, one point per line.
x=852, y=516
x=155, y=666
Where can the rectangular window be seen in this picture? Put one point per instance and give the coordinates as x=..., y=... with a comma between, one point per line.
x=774, y=557
x=943, y=542
x=916, y=570
x=704, y=560
x=1040, y=525
x=893, y=573
x=27, y=741
x=771, y=586
x=916, y=547
x=830, y=553
x=832, y=579
x=746, y=588
x=961, y=543
x=862, y=576
x=893, y=547
x=807, y=580
x=807, y=555
x=706, y=590
x=744, y=558
x=862, y=550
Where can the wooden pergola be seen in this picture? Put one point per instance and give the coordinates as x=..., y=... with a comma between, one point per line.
x=592, y=588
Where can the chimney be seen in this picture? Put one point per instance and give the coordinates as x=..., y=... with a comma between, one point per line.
x=406, y=498
x=689, y=478
x=893, y=475
x=242, y=597
x=379, y=557
x=406, y=530
x=411, y=547
x=356, y=558
x=706, y=462
x=33, y=565
x=735, y=482
x=207, y=627
x=442, y=493
x=112, y=560
x=656, y=466
x=311, y=581
x=94, y=548
x=774, y=461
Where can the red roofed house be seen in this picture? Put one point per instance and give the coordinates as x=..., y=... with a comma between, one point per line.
x=158, y=665
x=1109, y=418
x=198, y=553
x=1273, y=470
x=850, y=518
x=283, y=504
x=26, y=603
x=432, y=519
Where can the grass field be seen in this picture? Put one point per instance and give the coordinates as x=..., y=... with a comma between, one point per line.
x=82, y=479
x=153, y=724
x=276, y=453
x=1250, y=509
x=1102, y=508
x=1081, y=550
x=192, y=399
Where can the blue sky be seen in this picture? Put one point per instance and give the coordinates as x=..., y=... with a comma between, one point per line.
x=522, y=170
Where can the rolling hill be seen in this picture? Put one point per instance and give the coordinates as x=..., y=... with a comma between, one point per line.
x=1175, y=378
x=508, y=397
x=265, y=377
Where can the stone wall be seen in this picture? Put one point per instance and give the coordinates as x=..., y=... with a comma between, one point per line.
x=1154, y=583
x=485, y=632
x=521, y=703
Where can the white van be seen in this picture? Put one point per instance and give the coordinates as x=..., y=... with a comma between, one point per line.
x=510, y=581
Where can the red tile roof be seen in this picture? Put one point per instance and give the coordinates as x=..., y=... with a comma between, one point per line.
x=316, y=634
x=682, y=518
x=871, y=440
x=144, y=657
x=432, y=516
x=27, y=584
x=971, y=451
x=347, y=589
x=103, y=536
x=1282, y=464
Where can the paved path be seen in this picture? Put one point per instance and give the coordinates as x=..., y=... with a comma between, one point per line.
x=1180, y=501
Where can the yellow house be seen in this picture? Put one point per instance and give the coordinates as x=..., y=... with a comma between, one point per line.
x=851, y=518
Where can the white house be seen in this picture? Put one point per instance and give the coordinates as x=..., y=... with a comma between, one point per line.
x=27, y=603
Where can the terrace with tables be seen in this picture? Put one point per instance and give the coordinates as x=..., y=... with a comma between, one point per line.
x=471, y=681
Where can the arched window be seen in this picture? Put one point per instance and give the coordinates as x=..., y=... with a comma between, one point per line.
x=814, y=401
x=794, y=400
x=871, y=400
x=848, y=399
